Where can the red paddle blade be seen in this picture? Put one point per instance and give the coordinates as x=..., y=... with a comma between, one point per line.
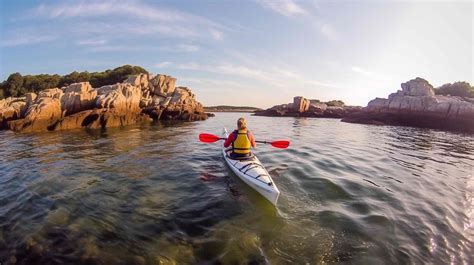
x=208, y=138
x=280, y=144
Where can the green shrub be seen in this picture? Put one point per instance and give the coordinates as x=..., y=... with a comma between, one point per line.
x=335, y=103
x=460, y=89
x=17, y=85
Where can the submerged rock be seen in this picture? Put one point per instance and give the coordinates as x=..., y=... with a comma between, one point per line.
x=417, y=105
x=58, y=217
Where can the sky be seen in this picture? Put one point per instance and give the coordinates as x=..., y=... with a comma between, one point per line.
x=248, y=52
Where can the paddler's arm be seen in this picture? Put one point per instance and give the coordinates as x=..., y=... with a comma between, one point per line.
x=229, y=140
x=252, y=140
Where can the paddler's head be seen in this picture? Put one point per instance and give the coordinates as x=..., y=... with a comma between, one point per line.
x=241, y=124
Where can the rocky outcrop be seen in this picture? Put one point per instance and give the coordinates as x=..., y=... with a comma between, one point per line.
x=417, y=105
x=163, y=85
x=302, y=107
x=138, y=99
x=300, y=104
x=124, y=97
x=184, y=105
x=44, y=112
x=51, y=93
x=11, y=109
x=99, y=118
x=78, y=97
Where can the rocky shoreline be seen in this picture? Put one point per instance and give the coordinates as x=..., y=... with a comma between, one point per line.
x=303, y=107
x=417, y=105
x=145, y=98
x=140, y=98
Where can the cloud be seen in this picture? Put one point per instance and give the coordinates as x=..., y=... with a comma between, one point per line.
x=227, y=69
x=328, y=31
x=287, y=73
x=133, y=9
x=162, y=64
x=180, y=48
x=116, y=22
x=290, y=8
x=188, y=48
x=284, y=7
x=26, y=40
x=325, y=84
x=91, y=42
x=271, y=76
x=116, y=48
x=243, y=71
x=370, y=74
x=215, y=34
x=214, y=83
x=189, y=66
x=131, y=28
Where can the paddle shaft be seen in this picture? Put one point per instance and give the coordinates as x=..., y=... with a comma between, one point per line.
x=210, y=138
x=262, y=142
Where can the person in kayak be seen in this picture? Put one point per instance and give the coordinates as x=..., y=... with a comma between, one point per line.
x=241, y=140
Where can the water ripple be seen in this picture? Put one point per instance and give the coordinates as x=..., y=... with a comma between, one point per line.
x=350, y=193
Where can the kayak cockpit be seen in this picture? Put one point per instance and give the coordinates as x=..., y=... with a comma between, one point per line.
x=239, y=158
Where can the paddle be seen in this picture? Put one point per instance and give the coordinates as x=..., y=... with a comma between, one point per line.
x=210, y=138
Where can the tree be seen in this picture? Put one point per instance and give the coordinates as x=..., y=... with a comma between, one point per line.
x=74, y=77
x=460, y=89
x=17, y=85
x=13, y=85
x=335, y=103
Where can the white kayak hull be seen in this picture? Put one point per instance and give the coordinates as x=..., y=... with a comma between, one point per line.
x=253, y=173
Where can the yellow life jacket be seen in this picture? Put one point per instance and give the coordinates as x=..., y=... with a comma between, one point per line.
x=241, y=143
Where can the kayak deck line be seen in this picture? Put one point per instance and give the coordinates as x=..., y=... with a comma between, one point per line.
x=250, y=176
x=242, y=168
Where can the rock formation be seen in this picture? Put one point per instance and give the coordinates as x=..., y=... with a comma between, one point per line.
x=78, y=97
x=137, y=99
x=300, y=104
x=302, y=107
x=11, y=109
x=417, y=105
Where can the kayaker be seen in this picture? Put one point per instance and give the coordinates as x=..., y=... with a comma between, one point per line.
x=241, y=139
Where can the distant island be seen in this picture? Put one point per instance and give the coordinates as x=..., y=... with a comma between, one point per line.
x=303, y=107
x=225, y=108
x=118, y=97
x=418, y=104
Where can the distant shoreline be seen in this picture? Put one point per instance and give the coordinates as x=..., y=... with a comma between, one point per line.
x=231, y=109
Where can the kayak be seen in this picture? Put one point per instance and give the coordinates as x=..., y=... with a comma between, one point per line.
x=253, y=173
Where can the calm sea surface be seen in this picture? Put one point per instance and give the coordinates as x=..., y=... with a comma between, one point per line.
x=350, y=193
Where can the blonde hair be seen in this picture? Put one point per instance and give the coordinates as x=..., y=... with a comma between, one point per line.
x=241, y=124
